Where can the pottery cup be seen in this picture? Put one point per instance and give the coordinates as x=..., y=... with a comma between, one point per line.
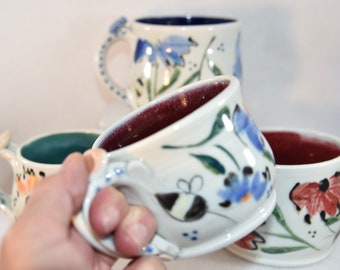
x=165, y=53
x=35, y=159
x=306, y=220
x=197, y=160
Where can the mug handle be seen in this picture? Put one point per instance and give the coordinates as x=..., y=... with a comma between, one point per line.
x=7, y=149
x=119, y=31
x=5, y=206
x=7, y=152
x=121, y=174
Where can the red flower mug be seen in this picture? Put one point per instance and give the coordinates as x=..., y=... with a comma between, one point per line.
x=306, y=220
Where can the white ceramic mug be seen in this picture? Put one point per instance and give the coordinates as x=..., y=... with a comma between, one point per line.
x=306, y=220
x=197, y=160
x=38, y=157
x=169, y=52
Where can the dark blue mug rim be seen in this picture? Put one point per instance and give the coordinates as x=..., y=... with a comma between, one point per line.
x=184, y=20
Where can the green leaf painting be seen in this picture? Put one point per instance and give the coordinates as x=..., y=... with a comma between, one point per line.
x=154, y=87
x=174, y=77
x=278, y=214
x=216, y=129
x=210, y=163
x=280, y=250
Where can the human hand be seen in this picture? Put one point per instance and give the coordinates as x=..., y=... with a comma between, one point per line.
x=43, y=236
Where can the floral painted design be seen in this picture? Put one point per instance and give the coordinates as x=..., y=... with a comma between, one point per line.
x=318, y=198
x=278, y=215
x=239, y=184
x=25, y=183
x=169, y=54
x=240, y=189
x=28, y=179
x=251, y=241
x=170, y=50
x=238, y=64
x=217, y=127
x=236, y=188
x=243, y=125
x=25, y=188
x=187, y=201
x=246, y=125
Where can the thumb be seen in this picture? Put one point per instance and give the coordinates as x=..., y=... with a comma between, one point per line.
x=60, y=196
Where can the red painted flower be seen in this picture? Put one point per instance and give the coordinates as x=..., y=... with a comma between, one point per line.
x=250, y=241
x=318, y=197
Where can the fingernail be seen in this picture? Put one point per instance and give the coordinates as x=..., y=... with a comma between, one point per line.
x=138, y=234
x=109, y=218
x=94, y=158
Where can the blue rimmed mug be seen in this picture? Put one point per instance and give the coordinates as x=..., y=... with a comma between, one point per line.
x=166, y=53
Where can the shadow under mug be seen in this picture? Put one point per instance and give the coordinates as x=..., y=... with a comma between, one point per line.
x=306, y=220
x=165, y=53
x=38, y=158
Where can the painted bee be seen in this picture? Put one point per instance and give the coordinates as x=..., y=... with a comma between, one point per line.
x=185, y=206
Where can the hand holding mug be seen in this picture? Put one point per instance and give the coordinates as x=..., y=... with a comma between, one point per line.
x=42, y=237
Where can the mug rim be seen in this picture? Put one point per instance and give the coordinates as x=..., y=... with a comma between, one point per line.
x=180, y=20
x=313, y=133
x=231, y=87
x=19, y=147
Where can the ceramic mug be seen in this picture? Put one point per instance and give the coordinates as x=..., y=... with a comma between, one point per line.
x=169, y=52
x=37, y=158
x=197, y=160
x=306, y=220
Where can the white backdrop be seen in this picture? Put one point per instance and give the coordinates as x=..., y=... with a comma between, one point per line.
x=290, y=55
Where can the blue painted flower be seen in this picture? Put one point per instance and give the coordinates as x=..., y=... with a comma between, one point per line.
x=238, y=190
x=258, y=186
x=170, y=51
x=238, y=65
x=245, y=125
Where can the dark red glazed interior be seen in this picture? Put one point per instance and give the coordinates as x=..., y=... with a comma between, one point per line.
x=155, y=118
x=292, y=148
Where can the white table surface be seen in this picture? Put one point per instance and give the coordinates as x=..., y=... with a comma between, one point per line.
x=221, y=259
x=290, y=55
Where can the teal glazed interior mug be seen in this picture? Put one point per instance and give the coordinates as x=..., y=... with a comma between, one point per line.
x=197, y=160
x=305, y=223
x=38, y=157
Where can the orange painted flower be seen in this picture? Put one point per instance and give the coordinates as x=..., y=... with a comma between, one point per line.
x=26, y=187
